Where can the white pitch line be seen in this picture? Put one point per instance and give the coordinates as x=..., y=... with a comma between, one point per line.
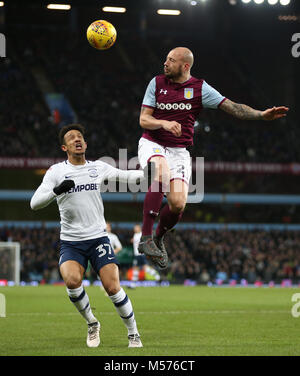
x=203, y=312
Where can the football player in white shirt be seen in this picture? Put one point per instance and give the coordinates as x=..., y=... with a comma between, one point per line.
x=114, y=240
x=75, y=185
x=139, y=260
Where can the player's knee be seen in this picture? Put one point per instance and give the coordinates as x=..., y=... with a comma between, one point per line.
x=109, y=276
x=73, y=281
x=112, y=289
x=177, y=205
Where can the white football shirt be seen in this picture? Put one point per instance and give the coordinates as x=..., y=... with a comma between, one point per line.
x=136, y=241
x=81, y=209
x=114, y=241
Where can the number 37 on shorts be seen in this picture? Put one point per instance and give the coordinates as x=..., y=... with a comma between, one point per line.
x=105, y=249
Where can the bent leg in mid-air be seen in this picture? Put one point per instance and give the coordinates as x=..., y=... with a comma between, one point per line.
x=172, y=212
x=151, y=209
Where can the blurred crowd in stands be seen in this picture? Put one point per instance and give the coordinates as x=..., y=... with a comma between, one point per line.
x=201, y=256
x=106, y=89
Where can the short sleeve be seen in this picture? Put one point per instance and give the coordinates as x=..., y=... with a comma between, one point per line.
x=149, y=98
x=211, y=98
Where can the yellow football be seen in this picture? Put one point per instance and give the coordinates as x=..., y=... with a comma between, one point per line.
x=101, y=34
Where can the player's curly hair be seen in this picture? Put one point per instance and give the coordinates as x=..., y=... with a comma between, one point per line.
x=68, y=128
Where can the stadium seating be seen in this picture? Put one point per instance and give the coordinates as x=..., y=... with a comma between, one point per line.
x=202, y=256
x=106, y=91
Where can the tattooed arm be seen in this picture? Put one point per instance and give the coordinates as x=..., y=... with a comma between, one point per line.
x=244, y=112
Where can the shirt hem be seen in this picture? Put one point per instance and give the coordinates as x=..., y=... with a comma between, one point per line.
x=165, y=144
x=79, y=239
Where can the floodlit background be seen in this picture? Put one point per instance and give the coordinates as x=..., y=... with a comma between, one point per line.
x=246, y=231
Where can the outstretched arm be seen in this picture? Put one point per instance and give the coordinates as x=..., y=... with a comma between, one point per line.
x=124, y=176
x=128, y=176
x=244, y=112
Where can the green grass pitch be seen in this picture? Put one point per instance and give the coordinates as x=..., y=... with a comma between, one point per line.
x=173, y=321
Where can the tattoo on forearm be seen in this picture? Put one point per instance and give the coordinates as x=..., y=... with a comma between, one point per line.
x=242, y=111
x=143, y=109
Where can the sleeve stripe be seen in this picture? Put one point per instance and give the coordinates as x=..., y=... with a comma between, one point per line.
x=224, y=99
x=146, y=105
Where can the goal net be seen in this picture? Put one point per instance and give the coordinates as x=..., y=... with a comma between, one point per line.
x=10, y=262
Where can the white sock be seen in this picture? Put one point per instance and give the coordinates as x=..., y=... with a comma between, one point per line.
x=81, y=301
x=124, y=308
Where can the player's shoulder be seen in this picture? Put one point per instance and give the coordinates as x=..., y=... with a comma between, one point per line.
x=57, y=166
x=196, y=81
x=161, y=78
x=101, y=165
x=113, y=236
x=97, y=163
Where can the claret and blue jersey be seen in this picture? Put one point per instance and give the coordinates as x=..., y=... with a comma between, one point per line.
x=181, y=102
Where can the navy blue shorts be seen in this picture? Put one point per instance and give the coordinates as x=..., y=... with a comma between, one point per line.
x=98, y=251
x=139, y=260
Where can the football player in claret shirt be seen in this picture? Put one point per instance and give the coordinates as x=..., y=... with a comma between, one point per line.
x=75, y=185
x=170, y=106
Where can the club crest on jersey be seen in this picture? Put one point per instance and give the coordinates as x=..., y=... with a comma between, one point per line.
x=188, y=93
x=93, y=172
x=157, y=150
